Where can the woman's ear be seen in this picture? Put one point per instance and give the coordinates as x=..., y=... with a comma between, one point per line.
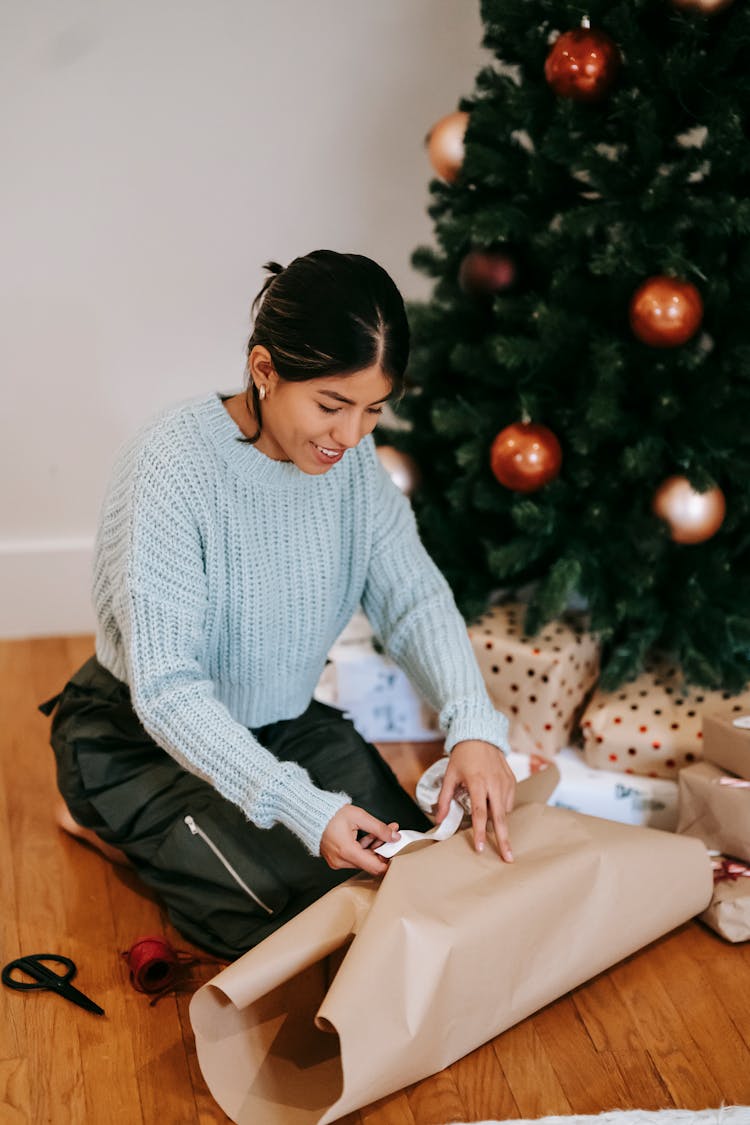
x=261, y=368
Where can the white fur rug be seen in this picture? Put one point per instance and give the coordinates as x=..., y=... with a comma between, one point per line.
x=728, y=1115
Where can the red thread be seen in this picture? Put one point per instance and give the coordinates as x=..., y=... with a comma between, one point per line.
x=156, y=967
x=153, y=964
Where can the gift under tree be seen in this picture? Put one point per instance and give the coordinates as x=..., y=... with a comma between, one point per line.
x=581, y=374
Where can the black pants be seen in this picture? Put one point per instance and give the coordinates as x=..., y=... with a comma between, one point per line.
x=226, y=884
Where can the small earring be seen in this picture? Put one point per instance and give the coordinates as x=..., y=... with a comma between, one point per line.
x=261, y=393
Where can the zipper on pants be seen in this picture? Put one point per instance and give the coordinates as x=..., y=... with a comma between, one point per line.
x=197, y=831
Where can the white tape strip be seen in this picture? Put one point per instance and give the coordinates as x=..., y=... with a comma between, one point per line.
x=439, y=832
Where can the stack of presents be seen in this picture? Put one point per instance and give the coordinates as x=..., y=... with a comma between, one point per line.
x=652, y=753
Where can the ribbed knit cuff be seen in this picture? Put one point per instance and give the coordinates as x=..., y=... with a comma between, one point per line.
x=474, y=718
x=299, y=805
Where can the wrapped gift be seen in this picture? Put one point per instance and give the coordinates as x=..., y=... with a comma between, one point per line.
x=652, y=725
x=615, y=795
x=623, y=797
x=715, y=807
x=539, y=682
x=729, y=911
x=373, y=691
x=414, y=960
x=726, y=740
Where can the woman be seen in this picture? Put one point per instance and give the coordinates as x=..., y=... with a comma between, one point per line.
x=238, y=535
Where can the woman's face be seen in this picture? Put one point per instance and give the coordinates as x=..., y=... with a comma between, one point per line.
x=313, y=423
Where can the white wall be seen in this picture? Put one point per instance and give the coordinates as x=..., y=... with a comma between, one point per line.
x=154, y=155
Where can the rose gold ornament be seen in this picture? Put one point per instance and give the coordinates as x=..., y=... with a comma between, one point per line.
x=484, y=272
x=692, y=516
x=401, y=468
x=445, y=145
x=525, y=456
x=703, y=7
x=582, y=64
x=665, y=312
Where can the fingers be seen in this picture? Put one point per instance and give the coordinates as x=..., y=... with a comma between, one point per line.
x=498, y=809
x=340, y=847
x=478, y=795
x=374, y=827
x=492, y=797
x=369, y=840
x=367, y=861
x=445, y=797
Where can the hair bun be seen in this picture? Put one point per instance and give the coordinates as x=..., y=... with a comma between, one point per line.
x=274, y=268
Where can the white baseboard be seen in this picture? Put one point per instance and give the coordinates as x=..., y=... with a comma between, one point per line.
x=45, y=587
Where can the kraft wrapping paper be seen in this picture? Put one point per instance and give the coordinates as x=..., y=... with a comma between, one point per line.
x=652, y=725
x=725, y=744
x=715, y=810
x=729, y=912
x=539, y=682
x=382, y=983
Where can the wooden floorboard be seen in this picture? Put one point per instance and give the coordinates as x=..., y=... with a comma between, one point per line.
x=669, y=1026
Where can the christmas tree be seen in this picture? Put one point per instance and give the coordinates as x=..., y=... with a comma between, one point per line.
x=580, y=378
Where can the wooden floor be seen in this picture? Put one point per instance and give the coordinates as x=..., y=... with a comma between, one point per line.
x=668, y=1027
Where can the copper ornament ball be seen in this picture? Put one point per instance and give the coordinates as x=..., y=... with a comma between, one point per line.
x=484, y=272
x=665, y=312
x=525, y=456
x=703, y=7
x=445, y=145
x=401, y=468
x=692, y=516
x=582, y=64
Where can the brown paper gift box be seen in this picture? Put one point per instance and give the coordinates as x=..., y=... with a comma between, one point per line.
x=652, y=725
x=453, y=948
x=539, y=682
x=715, y=807
x=729, y=911
x=726, y=745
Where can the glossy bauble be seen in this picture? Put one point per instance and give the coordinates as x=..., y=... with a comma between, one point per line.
x=525, y=456
x=485, y=272
x=582, y=64
x=445, y=145
x=692, y=517
x=665, y=312
x=702, y=7
x=401, y=468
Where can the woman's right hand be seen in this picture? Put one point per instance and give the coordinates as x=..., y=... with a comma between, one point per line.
x=340, y=847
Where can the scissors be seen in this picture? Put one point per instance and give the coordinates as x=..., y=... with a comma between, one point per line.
x=46, y=978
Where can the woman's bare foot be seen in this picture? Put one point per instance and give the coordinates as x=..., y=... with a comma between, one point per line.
x=64, y=820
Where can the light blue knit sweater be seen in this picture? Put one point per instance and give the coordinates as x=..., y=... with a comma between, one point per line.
x=221, y=580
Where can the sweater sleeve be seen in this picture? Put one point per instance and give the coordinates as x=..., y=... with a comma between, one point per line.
x=412, y=610
x=161, y=605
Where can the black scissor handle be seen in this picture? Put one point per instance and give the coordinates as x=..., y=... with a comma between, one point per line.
x=33, y=967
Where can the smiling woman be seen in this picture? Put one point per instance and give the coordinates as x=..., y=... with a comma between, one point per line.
x=301, y=422
x=238, y=535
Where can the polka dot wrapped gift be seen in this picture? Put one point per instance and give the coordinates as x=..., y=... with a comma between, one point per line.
x=652, y=725
x=539, y=682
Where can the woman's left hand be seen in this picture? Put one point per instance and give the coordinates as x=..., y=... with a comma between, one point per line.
x=482, y=769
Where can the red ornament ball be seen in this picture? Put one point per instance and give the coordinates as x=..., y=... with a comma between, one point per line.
x=525, y=456
x=582, y=64
x=484, y=272
x=445, y=145
x=692, y=517
x=665, y=312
